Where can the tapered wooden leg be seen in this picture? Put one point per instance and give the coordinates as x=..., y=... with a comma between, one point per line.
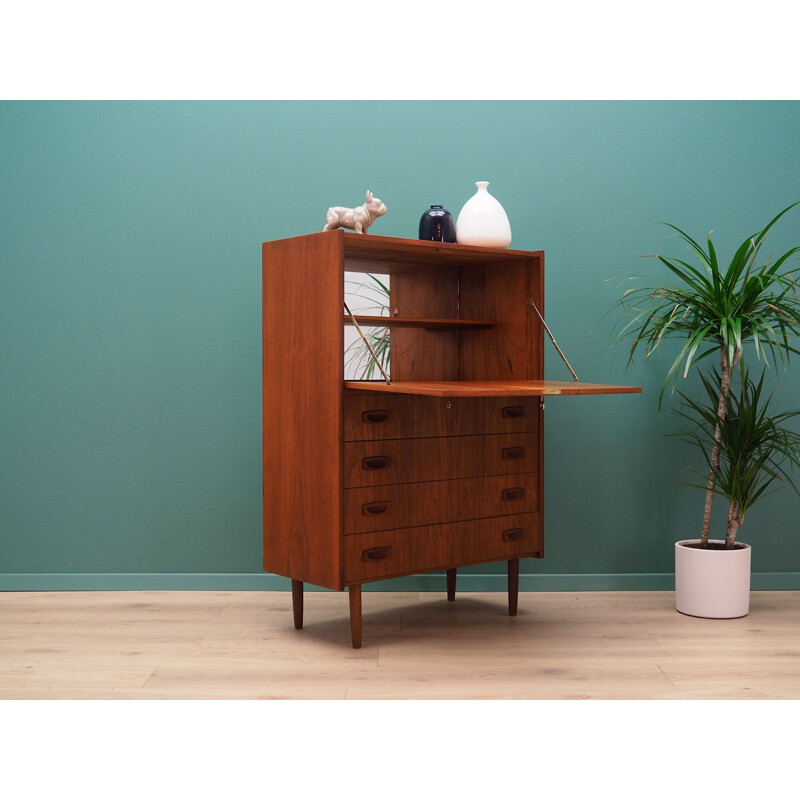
x=513, y=586
x=297, y=603
x=355, y=615
x=451, y=584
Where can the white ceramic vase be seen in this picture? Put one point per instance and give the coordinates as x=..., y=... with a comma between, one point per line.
x=483, y=221
x=712, y=583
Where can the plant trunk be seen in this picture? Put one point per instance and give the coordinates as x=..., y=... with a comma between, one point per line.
x=734, y=521
x=722, y=410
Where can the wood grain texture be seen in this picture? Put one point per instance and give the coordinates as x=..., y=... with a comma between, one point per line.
x=423, y=473
x=513, y=349
x=502, y=388
x=302, y=408
x=418, y=354
x=405, y=505
x=428, y=324
x=374, y=556
x=243, y=645
x=393, y=256
x=387, y=416
x=438, y=458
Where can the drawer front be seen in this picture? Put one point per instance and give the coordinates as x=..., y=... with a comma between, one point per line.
x=378, y=508
x=385, y=554
x=377, y=416
x=411, y=460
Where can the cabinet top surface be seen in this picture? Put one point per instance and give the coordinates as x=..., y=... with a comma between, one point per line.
x=389, y=248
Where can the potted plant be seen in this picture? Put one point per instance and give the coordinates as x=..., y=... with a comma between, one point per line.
x=358, y=359
x=716, y=310
x=755, y=450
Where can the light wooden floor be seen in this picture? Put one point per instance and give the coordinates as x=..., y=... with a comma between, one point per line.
x=198, y=645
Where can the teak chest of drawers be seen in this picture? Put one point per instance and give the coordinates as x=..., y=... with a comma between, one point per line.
x=438, y=469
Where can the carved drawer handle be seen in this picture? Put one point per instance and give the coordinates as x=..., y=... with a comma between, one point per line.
x=376, y=553
x=376, y=462
x=371, y=509
x=511, y=412
x=514, y=535
x=376, y=415
x=517, y=493
x=513, y=452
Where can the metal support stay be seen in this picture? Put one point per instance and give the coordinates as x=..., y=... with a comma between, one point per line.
x=369, y=346
x=552, y=338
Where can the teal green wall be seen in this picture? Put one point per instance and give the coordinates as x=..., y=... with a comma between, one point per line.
x=130, y=314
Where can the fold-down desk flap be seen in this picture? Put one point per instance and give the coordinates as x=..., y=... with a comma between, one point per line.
x=490, y=388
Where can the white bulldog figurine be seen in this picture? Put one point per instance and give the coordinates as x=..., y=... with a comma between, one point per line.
x=357, y=219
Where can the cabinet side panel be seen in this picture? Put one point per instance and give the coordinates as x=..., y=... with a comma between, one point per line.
x=537, y=338
x=302, y=406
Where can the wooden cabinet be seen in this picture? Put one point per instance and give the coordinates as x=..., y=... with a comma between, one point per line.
x=440, y=468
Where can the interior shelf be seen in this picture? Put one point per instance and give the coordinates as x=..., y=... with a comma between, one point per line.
x=416, y=322
x=490, y=388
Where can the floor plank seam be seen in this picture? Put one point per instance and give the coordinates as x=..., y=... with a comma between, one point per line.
x=644, y=628
x=671, y=682
x=147, y=679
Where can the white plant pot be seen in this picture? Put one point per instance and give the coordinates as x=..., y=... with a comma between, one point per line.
x=483, y=221
x=712, y=583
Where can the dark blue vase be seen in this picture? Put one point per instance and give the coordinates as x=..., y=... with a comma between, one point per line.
x=437, y=225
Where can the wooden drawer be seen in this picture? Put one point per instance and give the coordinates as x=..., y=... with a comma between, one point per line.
x=386, y=554
x=411, y=460
x=384, y=416
x=377, y=508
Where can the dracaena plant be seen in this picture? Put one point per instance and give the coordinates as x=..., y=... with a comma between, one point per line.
x=358, y=359
x=715, y=309
x=757, y=449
